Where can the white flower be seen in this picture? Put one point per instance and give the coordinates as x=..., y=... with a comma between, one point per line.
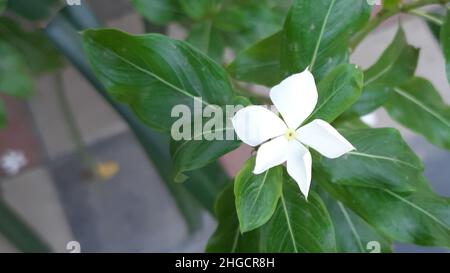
x=283, y=141
x=12, y=161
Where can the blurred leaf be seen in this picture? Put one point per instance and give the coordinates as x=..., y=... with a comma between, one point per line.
x=199, y=8
x=36, y=9
x=40, y=54
x=420, y=218
x=204, y=37
x=227, y=238
x=153, y=73
x=316, y=34
x=16, y=231
x=381, y=160
x=445, y=42
x=14, y=75
x=389, y=4
x=260, y=63
x=240, y=32
x=396, y=65
x=256, y=195
x=299, y=225
x=2, y=5
x=159, y=12
x=2, y=115
x=417, y=105
x=337, y=92
x=352, y=233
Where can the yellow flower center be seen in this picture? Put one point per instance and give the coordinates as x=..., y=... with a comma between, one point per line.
x=290, y=134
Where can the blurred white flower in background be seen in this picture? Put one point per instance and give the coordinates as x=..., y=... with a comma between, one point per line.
x=12, y=161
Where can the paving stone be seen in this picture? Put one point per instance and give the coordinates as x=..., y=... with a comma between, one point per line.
x=32, y=195
x=131, y=212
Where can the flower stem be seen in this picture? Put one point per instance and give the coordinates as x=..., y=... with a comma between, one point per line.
x=386, y=14
x=67, y=113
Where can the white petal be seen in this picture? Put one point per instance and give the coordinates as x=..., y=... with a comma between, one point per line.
x=299, y=164
x=323, y=138
x=271, y=154
x=256, y=124
x=295, y=98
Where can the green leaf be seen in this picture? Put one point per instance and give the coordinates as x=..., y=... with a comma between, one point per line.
x=206, y=38
x=445, y=42
x=36, y=9
x=418, y=106
x=381, y=160
x=2, y=114
x=153, y=73
x=199, y=8
x=353, y=234
x=2, y=5
x=259, y=63
x=14, y=75
x=299, y=225
x=256, y=195
x=227, y=238
x=203, y=151
x=32, y=45
x=420, y=218
x=316, y=34
x=20, y=234
x=396, y=65
x=337, y=92
x=159, y=12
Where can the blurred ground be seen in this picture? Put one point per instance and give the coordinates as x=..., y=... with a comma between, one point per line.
x=134, y=211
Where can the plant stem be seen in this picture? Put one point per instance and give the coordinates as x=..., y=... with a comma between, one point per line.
x=427, y=16
x=69, y=118
x=386, y=14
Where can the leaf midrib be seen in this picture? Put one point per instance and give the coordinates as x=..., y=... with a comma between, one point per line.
x=422, y=210
x=319, y=40
x=151, y=74
x=425, y=108
x=288, y=221
x=395, y=160
x=351, y=225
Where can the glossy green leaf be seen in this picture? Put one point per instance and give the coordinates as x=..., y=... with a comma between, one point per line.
x=14, y=75
x=227, y=238
x=299, y=225
x=381, y=160
x=2, y=114
x=206, y=38
x=159, y=12
x=259, y=63
x=32, y=45
x=396, y=65
x=337, y=92
x=445, y=42
x=207, y=145
x=420, y=218
x=316, y=34
x=256, y=195
x=417, y=105
x=36, y=9
x=153, y=73
x=204, y=152
x=353, y=234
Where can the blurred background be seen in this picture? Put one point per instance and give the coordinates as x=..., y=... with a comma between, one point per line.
x=128, y=208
